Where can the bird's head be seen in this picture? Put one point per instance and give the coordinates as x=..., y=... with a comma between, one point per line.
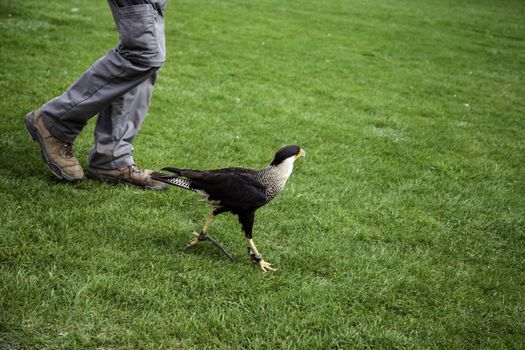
x=281, y=167
x=287, y=154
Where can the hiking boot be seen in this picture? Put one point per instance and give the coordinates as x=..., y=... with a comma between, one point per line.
x=57, y=154
x=129, y=175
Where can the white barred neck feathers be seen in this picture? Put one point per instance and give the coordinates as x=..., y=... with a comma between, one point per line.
x=274, y=177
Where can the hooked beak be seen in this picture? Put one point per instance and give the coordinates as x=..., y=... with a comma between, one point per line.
x=301, y=153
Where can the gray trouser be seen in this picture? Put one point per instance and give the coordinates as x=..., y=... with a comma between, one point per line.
x=118, y=86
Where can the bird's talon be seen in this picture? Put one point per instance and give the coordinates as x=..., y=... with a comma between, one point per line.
x=194, y=241
x=265, y=267
x=191, y=243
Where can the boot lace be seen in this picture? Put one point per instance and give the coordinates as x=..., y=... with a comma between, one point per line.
x=68, y=150
x=134, y=168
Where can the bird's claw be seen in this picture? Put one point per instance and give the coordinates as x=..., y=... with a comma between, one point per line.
x=265, y=267
x=203, y=237
x=194, y=241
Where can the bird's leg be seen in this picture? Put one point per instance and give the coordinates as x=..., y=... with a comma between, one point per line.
x=254, y=254
x=202, y=235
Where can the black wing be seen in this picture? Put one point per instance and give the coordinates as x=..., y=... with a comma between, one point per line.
x=235, y=188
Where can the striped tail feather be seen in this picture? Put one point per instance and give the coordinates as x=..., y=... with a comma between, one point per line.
x=173, y=180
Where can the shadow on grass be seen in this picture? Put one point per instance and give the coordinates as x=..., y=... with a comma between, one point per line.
x=177, y=243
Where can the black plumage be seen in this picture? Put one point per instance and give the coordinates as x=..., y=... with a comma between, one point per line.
x=237, y=190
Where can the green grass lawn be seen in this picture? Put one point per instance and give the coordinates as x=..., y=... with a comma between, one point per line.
x=404, y=227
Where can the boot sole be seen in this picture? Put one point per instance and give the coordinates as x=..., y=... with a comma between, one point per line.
x=112, y=180
x=35, y=135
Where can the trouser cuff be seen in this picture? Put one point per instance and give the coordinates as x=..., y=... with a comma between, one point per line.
x=52, y=125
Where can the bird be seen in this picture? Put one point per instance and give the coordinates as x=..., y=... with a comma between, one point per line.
x=239, y=191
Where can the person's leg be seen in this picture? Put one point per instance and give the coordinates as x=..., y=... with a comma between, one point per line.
x=139, y=54
x=117, y=126
x=110, y=158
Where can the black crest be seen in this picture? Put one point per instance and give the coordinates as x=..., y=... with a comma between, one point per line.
x=284, y=153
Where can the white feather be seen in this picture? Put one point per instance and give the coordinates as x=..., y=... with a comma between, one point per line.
x=284, y=169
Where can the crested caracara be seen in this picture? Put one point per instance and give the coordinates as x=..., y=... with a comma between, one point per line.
x=237, y=190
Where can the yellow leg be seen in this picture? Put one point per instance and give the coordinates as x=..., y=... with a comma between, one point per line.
x=203, y=231
x=262, y=264
x=208, y=222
